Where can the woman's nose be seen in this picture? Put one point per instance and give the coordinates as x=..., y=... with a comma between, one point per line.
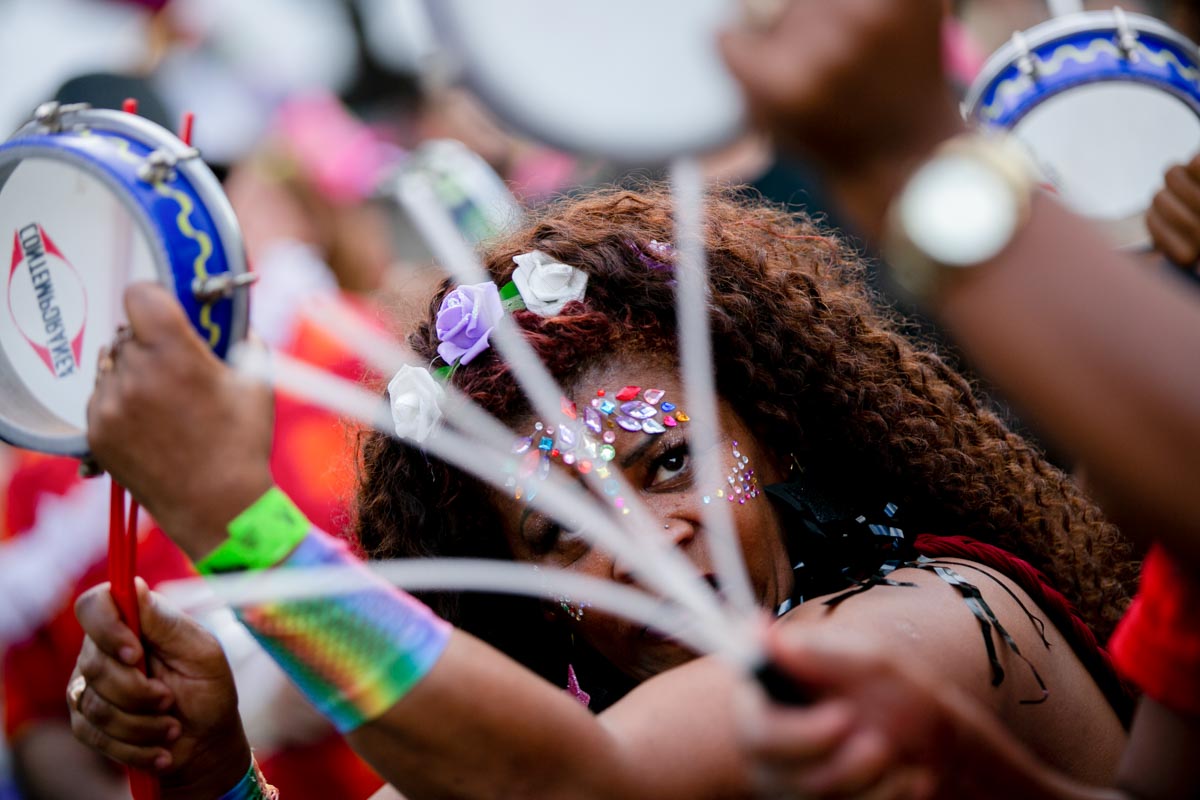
x=678, y=532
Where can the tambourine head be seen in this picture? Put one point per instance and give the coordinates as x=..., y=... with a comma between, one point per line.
x=629, y=80
x=79, y=225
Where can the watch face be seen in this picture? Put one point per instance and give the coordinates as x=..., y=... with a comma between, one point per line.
x=959, y=211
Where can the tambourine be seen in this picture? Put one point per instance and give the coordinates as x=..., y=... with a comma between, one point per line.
x=93, y=200
x=633, y=81
x=469, y=190
x=1106, y=102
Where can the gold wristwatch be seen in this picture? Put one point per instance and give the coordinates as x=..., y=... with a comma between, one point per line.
x=959, y=210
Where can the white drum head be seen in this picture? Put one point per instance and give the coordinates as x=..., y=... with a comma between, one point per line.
x=630, y=80
x=73, y=248
x=1106, y=147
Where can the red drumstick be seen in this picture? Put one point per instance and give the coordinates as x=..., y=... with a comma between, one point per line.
x=122, y=567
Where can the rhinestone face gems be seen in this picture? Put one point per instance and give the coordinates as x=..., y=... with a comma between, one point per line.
x=629, y=423
x=585, y=439
x=638, y=410
x=653, y=427
x=743, y=483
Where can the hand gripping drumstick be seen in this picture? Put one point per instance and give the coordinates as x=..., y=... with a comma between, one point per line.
x=122, y=553
x=122, y=567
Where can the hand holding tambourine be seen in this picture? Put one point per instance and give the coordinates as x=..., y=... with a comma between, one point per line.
x=95, y=201
x=188, y=437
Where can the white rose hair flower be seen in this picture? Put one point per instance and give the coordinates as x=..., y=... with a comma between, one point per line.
x=416, y=402
x=547, y=285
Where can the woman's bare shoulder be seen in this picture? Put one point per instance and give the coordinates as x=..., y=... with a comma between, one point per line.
x=929, y=620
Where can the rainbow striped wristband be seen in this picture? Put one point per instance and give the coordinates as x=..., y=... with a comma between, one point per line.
x=352, y=655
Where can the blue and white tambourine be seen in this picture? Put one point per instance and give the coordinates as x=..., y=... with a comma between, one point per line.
x=92, y=201
x=1106, y=102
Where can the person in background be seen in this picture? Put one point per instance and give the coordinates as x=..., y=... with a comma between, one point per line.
x=1114, y=397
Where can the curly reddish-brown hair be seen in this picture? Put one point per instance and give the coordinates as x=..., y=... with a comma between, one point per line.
x=805, y=357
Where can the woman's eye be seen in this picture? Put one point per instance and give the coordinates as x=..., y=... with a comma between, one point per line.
x=670, y=466
x=562, y=546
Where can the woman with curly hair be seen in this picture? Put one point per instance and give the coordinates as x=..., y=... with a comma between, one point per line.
x=903, y=512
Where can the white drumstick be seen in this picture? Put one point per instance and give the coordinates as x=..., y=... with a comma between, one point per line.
x=1063, y=8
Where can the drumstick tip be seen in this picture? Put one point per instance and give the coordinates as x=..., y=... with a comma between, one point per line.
x=185, y=133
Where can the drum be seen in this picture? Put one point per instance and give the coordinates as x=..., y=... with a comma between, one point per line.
x=468, y=189
x=633, y=81
x=1105, y=102
x=93, y=200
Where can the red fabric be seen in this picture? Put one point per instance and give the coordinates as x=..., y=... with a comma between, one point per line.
x=1157, y=644
x=37, y=670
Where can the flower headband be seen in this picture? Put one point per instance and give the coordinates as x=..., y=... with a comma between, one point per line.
x=464, y=325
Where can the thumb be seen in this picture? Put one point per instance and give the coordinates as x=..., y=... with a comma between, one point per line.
x=155, y=314
x=170, y=632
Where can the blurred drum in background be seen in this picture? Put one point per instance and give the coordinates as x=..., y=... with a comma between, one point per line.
x=1105, y=102
x=466, y=186
x=629, y=81
x=93, y=200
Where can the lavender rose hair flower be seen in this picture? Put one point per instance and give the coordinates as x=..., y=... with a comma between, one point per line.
x=466, y=319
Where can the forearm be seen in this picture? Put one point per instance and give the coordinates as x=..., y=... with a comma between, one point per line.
x=480, y=725
x=989, y=762
x=436, y=713
x=1101, y=355
x=1159, y=760
x=1095, y=349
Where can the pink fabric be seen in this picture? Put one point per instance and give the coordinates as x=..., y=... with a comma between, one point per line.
x=340, y=155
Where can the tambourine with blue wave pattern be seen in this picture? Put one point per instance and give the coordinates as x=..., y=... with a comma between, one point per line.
x=1105, y=101
x=91, y=201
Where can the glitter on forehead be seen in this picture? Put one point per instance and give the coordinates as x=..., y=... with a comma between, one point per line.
x=587, y=442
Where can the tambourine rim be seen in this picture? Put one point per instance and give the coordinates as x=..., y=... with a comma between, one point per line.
x=469, y=74
x=202, y=181
x=1060, y=27
x=207, y=188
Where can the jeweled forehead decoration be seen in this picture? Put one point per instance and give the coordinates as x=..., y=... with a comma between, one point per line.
x=587, y=441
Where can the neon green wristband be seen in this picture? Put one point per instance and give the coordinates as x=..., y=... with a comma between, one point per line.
x=260, y=537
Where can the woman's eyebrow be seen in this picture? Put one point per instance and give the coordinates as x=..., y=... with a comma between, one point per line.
x=637, y=453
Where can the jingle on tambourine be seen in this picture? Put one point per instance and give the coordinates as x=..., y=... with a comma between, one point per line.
x=94, y=200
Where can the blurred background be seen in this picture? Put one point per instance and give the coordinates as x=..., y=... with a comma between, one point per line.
x=307, y=110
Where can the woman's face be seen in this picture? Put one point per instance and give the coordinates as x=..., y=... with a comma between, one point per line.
x=660, y=470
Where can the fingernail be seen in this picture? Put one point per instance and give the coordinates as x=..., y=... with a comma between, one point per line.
x=163, y=761
x=173, y=733
x=165, y=702
x=128, y=654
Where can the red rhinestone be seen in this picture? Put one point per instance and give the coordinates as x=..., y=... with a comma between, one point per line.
x=629, y=393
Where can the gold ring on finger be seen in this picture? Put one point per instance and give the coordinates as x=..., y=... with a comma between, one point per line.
x=75, y=690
